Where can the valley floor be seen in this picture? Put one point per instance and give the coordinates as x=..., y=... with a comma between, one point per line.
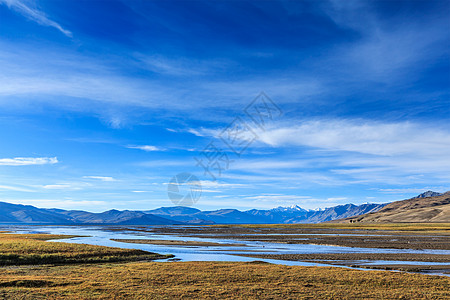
x=33, y=268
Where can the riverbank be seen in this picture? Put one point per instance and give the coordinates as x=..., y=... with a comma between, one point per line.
x=35, y=249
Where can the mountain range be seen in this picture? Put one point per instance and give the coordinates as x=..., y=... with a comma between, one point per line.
x=179, y=215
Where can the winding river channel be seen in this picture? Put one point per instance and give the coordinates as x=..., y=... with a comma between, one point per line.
x=211, y=247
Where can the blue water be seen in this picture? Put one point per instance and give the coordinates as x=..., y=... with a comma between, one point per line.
x=98, y=235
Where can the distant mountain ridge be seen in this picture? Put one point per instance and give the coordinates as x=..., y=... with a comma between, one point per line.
x=27, y=214
x=430, y=202
x=17, y=213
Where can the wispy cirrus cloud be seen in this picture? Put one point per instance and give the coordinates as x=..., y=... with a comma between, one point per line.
x=27, y=161
x=147, y=148
x=181, y=66
x=102, y=178
x=96, y=79
x=14, y=188
x=29, y=10
x=65, y=186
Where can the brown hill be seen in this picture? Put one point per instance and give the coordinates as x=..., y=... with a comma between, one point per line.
x=431, y=209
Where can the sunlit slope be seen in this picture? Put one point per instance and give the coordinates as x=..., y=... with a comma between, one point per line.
x=432, y=209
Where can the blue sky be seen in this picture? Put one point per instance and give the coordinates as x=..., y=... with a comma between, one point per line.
x=103, y=102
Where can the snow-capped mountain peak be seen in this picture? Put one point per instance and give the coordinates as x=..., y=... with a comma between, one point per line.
x=291, y=208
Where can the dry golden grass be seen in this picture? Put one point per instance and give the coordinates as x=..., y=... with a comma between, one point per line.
x=20, y=249
x=214, y=280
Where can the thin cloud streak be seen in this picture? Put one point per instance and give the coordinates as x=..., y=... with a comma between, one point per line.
x=146, y=148
x=101, y=178
x=28, y=161
x=14, y=188
x=34, y=14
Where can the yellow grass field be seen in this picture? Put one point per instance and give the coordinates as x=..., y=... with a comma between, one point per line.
x=214, y=280
x=21, y=249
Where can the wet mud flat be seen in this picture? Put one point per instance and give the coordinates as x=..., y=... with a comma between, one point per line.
x=403, y=261
x=354, y=240
x=337, y=237
x=440, y=258
x=177, y=243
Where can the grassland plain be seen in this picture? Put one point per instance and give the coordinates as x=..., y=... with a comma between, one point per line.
x=214, y=280
x=93, y=272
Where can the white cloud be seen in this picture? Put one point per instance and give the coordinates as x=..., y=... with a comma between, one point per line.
x=65, y=186
x=200, y=132
x=358, y=148
x=395, y=153
x=368, y=137
x=26, y=161
x=216, y=184
x=14, y=188
x=102, y=178
x=348, y=151
x=26, y=9
x=147, y=148
x=56, y=186
x=210, y=191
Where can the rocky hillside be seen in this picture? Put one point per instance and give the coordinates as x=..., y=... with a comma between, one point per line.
x=419, y=209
